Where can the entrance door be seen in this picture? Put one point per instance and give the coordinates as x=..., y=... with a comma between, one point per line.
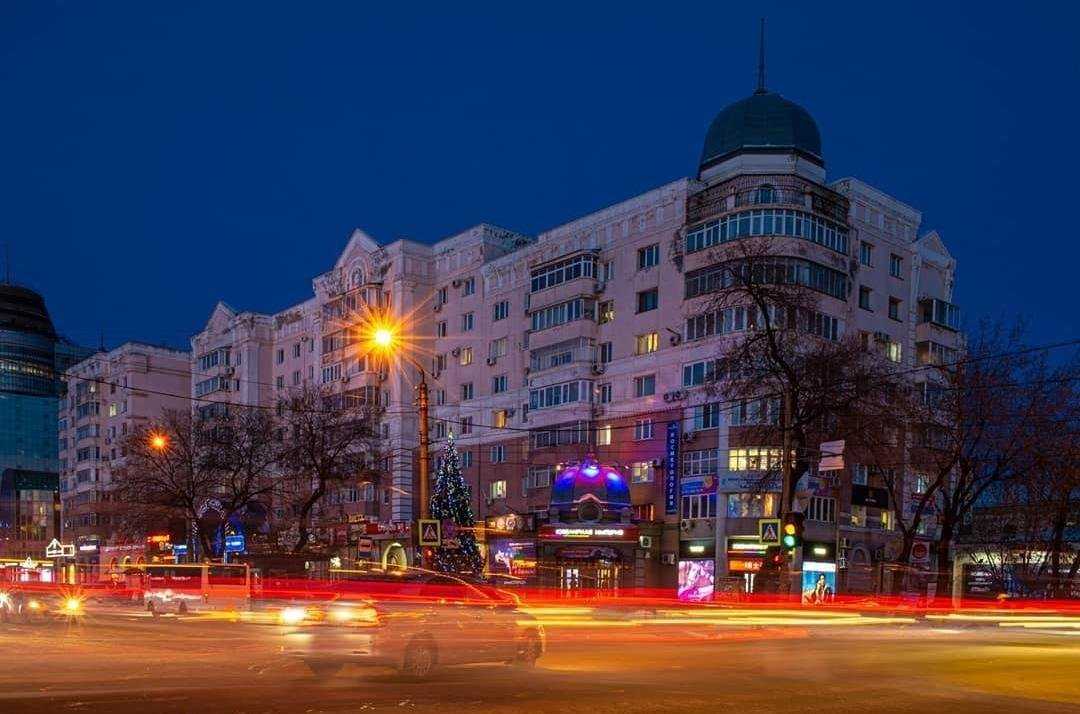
x=569, y=578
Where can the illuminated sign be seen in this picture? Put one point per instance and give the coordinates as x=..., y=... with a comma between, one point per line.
x=620, y=532
x=696, y=580
x=235, y=544
x=745, y=565
x=56, y=549
x=696, y=549
x=671, y=470
x=769, y=530
x=159, y=538
x=180, y=549
x=430, y=531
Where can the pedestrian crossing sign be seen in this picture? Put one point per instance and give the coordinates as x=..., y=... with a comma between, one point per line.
x=430, y=532
x=769, y=531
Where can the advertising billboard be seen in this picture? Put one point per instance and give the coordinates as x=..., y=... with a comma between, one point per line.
x=512, y=557
x=818, y=583
x=697, y=578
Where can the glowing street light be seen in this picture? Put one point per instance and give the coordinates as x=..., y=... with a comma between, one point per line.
x=158, y=442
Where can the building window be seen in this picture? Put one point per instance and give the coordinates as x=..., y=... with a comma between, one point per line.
x=643, y=429
x=466, y=391
x=500, y=310
x=864, y=298
x=894, y=351
x=499, y=418
x=440, y=397
x=607, y=311
x=859, y=474
x=703, y=462
x=465, y=358
x=556, y=394
x=645, y=385
x=608, y=271
x=603, y=435
x=467, y=322
x=466, y=459
x=497, y=348
x=498, y=384
x=440, y=328
x=753, y=459
x=858, y=516
x=751, y=505
x=940, y=313
x=896, y=266
x=644, y=344
x=497, y=489
x=769, y=221
x=704, y=416
x=537, y=477
x=648, y=256
x=603, y=352
x=439, y=363
x=563, y=313
x=557, y=273
x=498, y=454
x=296, y=351
x=894, y=308
x=466, y=425
x=699, y=373
x=648, y=300
x=279, y=381
x=821, y=509
x=605, y=393
x=641, y=472
x=280, y=356
x=866, y=254
x=440, y=296
x=700, y=505
x=468, y=286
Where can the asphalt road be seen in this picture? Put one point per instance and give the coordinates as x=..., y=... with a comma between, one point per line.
x=136, y=664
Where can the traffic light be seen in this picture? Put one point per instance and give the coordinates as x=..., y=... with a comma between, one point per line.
x=774, y=557
x=791, y=530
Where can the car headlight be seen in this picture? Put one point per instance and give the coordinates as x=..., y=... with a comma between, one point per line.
x=292, y=615
x=5, y=599
x=72, y=605
x=34, y=605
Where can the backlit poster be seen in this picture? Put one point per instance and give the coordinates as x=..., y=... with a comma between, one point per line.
x=696, y=580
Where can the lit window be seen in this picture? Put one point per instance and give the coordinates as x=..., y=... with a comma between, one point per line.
x=603, y=435
x=894, y=351
x=498, y=489
x=858, y=516
x=498, y=418
x=649, y=342
x=607, y=311
x=753, y=459
x=641, y=472
x=465, y=358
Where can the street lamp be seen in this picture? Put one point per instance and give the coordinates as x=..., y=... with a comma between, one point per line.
x=158, y=442
x=385, y=338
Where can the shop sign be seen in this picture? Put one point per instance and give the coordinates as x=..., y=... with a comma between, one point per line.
x=819, y=551
x=56, y=549
x=180, y=549
x=697, y=548
x=235, y=543
x=693, y=485
x=832, y=456
x=512, y=523
x=740, y=482
x=869, y=496
x=608, y=533
x=742, y=564
x=671, y=470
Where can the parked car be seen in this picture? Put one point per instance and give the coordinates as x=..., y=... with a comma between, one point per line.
x=412, y=623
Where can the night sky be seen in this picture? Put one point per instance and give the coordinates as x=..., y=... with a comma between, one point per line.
x=157, y=157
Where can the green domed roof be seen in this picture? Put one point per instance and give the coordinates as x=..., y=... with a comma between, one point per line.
x=763, y=122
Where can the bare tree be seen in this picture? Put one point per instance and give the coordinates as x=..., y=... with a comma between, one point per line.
x=329, y=440
x=785, y=352
x=175, y=466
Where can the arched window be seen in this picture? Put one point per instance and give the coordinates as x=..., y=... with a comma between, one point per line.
x=358, y=277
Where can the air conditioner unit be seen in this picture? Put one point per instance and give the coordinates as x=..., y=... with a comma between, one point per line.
x=528, y=370
x=685, y=524
x=456, y=352
x=437, y=307
x=344, y=378
x=511, y=412
x=492, y=360
x=667, y=396
x=688, y=436
x=656, y=463
x=456, y=283
x=667, y=558
x=645, y=541
x=675, y=340
x=597, y=368
x=599, y=287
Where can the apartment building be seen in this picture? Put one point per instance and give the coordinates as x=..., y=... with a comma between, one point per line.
x=109, y=395
x=596, y=337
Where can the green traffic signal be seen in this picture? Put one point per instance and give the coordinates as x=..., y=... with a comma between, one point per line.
x=789, y=541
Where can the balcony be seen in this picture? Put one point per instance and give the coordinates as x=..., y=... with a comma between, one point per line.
x=939, y=313
x=561, y=354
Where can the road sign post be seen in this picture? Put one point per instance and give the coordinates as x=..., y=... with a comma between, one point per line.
x=429, y=532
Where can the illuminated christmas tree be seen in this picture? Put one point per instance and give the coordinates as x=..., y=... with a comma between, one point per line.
x=450, y=501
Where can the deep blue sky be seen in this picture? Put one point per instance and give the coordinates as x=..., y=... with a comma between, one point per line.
x=157, y=157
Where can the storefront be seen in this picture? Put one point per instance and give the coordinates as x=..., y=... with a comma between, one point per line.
x=590, y=543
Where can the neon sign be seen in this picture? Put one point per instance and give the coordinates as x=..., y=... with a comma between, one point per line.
x=590, y=532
